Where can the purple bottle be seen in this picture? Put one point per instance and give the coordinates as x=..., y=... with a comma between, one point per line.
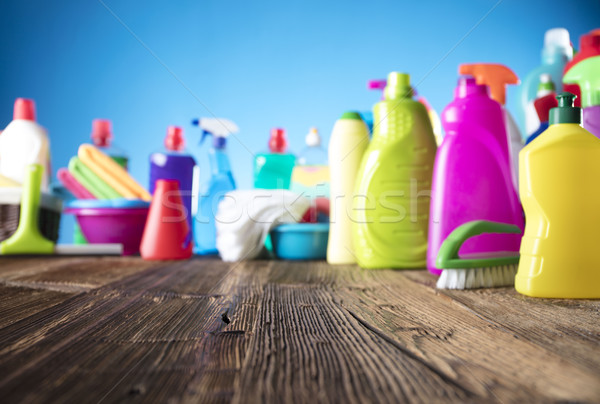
x=174, y=163
x=472, y=177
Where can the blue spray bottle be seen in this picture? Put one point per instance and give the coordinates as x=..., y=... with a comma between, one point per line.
x=221, y=181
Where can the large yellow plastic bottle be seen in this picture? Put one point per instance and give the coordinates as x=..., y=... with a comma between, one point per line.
x=560, y=190
x=391, y=204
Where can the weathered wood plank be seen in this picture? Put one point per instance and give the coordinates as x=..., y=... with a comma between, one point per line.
x=68, y=334
x=225, y=351
x=155, y=336
x=569, y=328
x=487, y=358
x=68, y=274
x=209, y=331
x=306, y=348
x=19, y=303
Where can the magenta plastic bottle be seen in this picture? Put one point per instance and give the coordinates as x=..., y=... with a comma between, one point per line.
x=472, y=175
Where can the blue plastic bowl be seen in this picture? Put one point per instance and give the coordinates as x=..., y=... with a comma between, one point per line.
x=300, y=241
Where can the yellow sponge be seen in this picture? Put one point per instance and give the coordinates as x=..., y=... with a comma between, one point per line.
x=112, y=173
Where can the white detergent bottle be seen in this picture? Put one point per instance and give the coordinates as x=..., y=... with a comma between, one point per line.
x=348, y=142
x=24, y=142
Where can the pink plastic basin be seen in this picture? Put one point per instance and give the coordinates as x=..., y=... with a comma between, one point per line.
x=112, y=225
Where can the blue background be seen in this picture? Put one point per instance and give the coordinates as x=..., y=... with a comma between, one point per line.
x=292, y=64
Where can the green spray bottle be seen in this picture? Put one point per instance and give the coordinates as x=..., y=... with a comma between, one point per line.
x=392, y=194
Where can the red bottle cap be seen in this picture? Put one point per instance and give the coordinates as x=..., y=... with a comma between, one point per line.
x=544, y=104
x=278, y=141
x=101, y=132
x=590, y=42
x=24, y=109
x=174, y=140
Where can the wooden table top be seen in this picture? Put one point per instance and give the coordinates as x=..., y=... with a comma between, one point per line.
x=100, y=330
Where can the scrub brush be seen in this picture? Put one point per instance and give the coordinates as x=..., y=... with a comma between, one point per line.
x=480, y=270
x=28, y=240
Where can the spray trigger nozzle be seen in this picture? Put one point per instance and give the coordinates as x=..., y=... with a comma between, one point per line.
x=204, y=134
x=218, y=128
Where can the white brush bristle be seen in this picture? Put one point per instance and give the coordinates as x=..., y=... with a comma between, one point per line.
x=474, y=278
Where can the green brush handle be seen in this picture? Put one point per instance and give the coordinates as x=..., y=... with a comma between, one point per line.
x=448, y=255
x=28, y=239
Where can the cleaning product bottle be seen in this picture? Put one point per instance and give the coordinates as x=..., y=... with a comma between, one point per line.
x=436, y=124
x=472, y=176
x=212, y=192
x=166, y=239
x=273, y=170
x=377, y=84
x=393, y=182
x=543, y=104
x=496, y=77
x=24, y=142
x=102, y=137
x=545, y=87
x=586, y=74
x=560, y=193
x=589, y=46
x=556, y=53
x=347, y=144
x=310, y=176
x=174, y=163
x=367, y=116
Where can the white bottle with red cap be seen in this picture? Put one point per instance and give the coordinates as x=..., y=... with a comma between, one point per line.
x=24, y=142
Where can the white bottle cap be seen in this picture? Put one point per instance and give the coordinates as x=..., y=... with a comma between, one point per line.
x=545, y=78
x=558, y=38
x=313, y=139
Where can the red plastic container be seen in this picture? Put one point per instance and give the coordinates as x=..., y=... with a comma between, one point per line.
x=167, y=235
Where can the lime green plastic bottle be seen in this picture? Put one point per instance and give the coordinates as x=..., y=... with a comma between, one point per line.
x=392, y=194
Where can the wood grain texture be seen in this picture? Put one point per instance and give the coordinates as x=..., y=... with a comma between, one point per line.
x=111, y=329
x=550, y=323
x=17, y=303
x=467, y=347
x=67, y=274
x=305, y=344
